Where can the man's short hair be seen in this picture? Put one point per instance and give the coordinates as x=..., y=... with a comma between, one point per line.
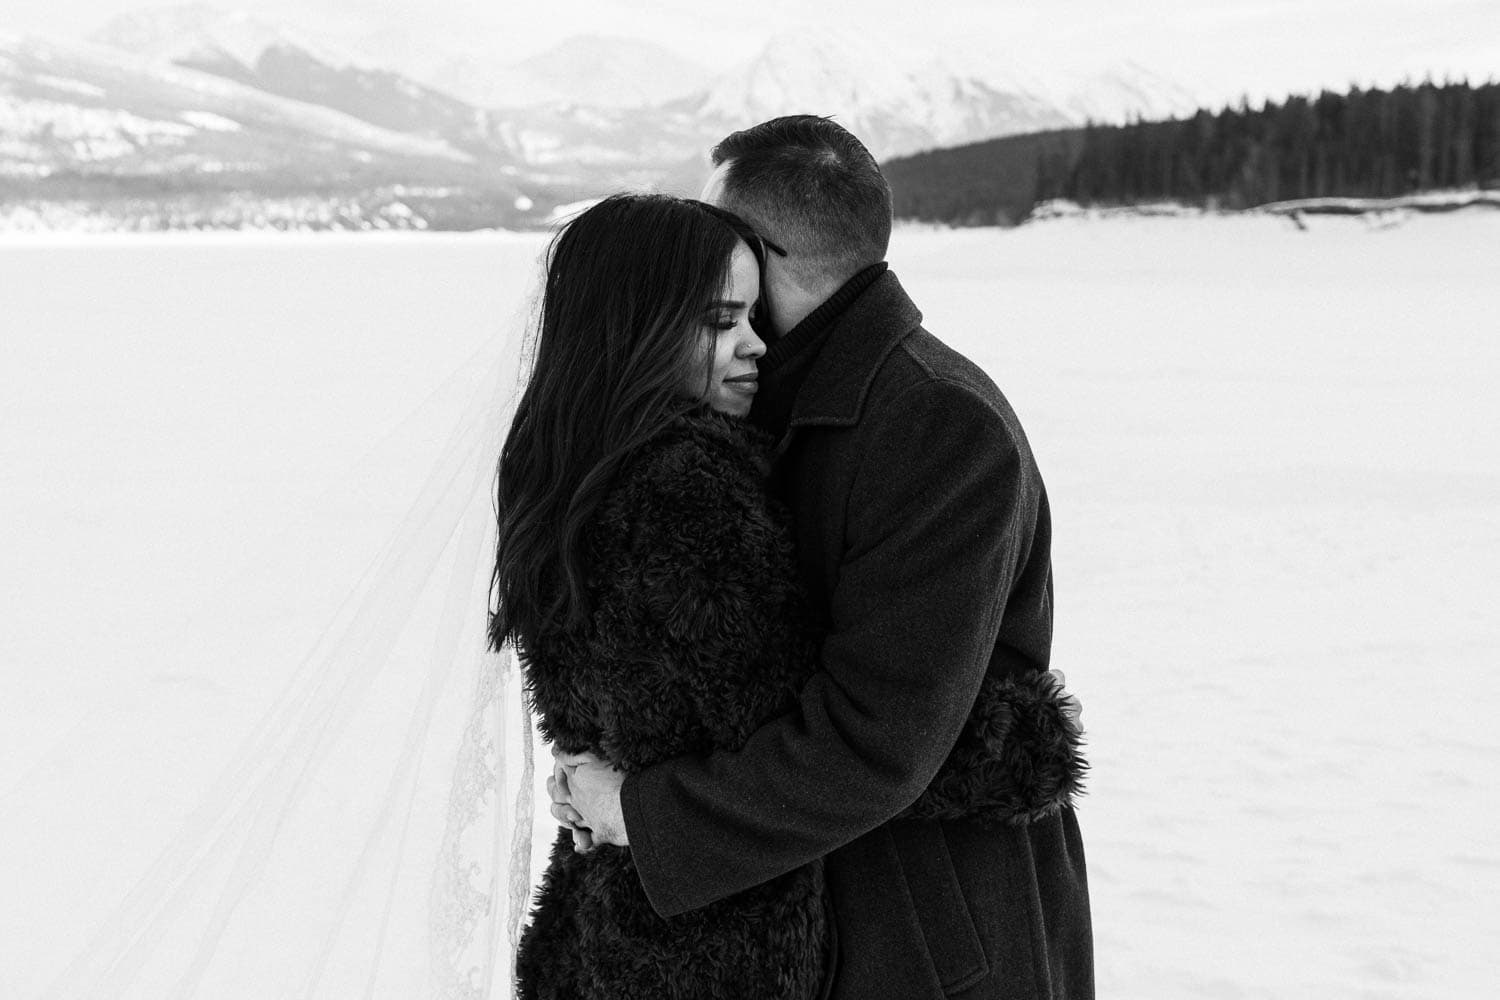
x=808, y=184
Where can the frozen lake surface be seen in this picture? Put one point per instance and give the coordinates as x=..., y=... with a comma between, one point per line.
x=1275, y=482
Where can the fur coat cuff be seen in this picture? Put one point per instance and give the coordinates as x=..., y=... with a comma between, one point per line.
x=1018, y=758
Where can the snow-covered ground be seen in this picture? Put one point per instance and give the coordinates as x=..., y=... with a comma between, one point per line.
x=1273, y=471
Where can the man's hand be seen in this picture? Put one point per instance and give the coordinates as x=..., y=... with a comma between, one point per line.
x=595, y=788
x=586, y=798
x=559, y=788
x=1072, y=707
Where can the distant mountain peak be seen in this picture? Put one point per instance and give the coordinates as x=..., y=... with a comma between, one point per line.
x=897, y=99
x=602, y=47
x=614, y=71
x=604, y=71
x=1125, y=89
x=140, y=112
x=282, y=60
x=204, y=34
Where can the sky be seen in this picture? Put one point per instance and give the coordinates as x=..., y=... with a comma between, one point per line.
x=1219, y=49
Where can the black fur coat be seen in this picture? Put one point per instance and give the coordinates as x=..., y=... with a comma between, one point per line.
x=698, y=636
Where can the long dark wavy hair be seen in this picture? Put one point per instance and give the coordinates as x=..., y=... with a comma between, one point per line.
x=629, y=284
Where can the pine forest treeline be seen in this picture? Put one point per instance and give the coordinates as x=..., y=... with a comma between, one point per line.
x=1365, y=144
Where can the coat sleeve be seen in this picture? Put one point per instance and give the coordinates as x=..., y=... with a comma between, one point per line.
x=940, y=519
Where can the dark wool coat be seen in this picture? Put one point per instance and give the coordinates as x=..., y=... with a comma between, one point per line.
x=927, y=760
x=698, y=635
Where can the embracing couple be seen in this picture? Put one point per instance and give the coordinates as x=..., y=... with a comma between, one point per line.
x=777, y=563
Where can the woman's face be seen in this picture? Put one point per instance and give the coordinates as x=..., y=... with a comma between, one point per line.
x=727, y=346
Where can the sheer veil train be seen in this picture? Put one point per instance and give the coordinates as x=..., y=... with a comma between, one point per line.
x=371, y=835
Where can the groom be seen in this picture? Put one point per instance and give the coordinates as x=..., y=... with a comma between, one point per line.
x=932, y=760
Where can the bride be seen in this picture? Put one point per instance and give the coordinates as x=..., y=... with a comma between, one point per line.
x=650, y=586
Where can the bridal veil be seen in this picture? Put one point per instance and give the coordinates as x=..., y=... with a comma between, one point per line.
x=370, y=835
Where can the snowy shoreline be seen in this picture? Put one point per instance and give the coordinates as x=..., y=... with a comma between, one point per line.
x=250, y=237
x=1380, y=212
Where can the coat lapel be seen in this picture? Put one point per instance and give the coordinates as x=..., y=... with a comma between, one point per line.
x=836, y=387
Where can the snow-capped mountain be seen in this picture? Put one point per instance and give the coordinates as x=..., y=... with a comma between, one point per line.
x=80, y=106
x=897, y=100
x=224, y=42
x=597, y=103
x=1121, y=92
x=902, y=99
x=91, y=132
x=585, y=70
x=214, y=102
x=285, y=61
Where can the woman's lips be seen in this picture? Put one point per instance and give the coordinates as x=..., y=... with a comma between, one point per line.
x=743, y=383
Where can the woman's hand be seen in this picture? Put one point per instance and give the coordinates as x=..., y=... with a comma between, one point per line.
x=1072, y=707
x=585, y=794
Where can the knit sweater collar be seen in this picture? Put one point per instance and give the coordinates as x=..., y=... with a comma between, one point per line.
x=817, y=322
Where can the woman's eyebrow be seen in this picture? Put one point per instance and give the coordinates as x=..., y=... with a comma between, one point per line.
x=725, y=304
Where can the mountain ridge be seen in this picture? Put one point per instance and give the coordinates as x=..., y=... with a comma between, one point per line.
x=193, y=97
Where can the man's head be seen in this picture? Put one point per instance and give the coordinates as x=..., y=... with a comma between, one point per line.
x=808, y=185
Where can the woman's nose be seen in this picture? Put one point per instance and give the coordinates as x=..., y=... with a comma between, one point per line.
x=751, y=346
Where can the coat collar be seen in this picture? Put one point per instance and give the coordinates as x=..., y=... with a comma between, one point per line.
x=857, y=345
